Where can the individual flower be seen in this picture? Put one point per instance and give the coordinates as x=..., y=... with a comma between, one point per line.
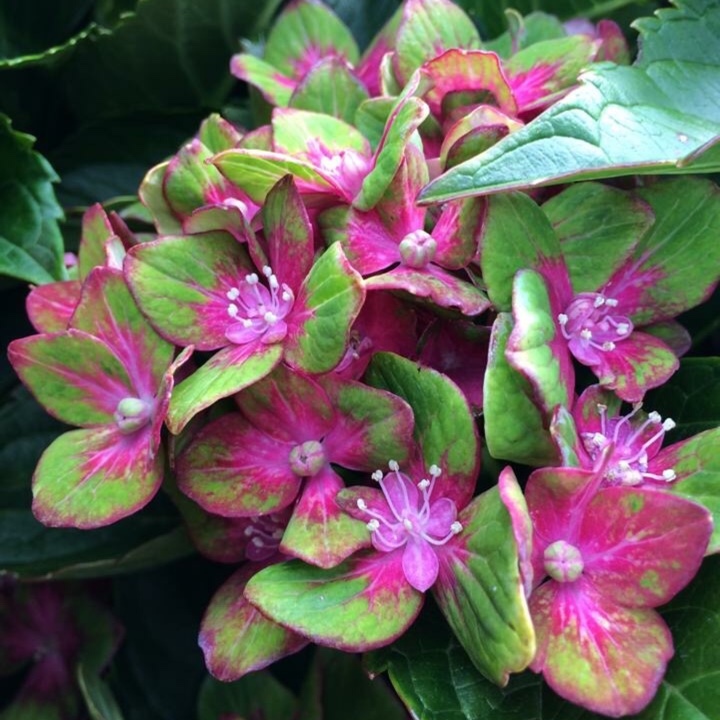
x=281, y=448
x=112, y=375
x=257, y=303
x=603, y=558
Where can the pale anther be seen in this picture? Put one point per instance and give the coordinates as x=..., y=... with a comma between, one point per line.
x=233, y=294
x=563, y=319
x=252, y=279
x=286, y=296
x=599, y=300
x=407, y=524
x=435, y=471
x=424, y=484
x=362, y=505
x=373, y=525
x=393, y=465
x=377, y=476
x=267, y=271
x=586, y=334
x=622, y=328
x=456, y=527
x=654, y=417
x=247, y=323
x=611, y=302
x=233, y=310
x=668, y=424
x=609, y=346
x=270, y=317
x=669, y=475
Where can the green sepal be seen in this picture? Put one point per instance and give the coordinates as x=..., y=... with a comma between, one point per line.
x=329, y=87
x=598, y=228
x=480, y=590
x=328, y=303
x=361, y=604
x=515, y=235
x=515, y=428
x=153, y=198
x=227, y=372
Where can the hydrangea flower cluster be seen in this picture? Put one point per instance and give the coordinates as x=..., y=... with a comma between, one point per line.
x=300, y=350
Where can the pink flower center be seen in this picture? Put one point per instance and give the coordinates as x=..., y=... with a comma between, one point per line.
x=258, y=312
x=131, y=414
x=307, y=459
x=412, y=515
x=563, y=562
x=591, y=325
x=634, y=444
x=417, y=249
x=265, y=534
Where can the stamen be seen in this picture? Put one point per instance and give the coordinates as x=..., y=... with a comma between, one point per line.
x=609, y=346
x=393, y=465
x=456, y=527
x=669, y=475
x=654, y=417
x=252, y=279
x=424, y=484
x=273, y=282
x=232, y=294
x=668, y=424
x=622, y=328
x=286, y=296
x=362, y=505
x=599, y=301
x=435, y=471
x=267, y=271
x=563, y=319
x=377, y=476
x=407, y=524
x=611, y=302
x=586, y=334
x=270, y=318
x=233, y=310
x=373, y=525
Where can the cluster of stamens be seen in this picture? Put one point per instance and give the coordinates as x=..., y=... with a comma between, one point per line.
x=632, y=444
x=591, y=323
x=259, y=311
x=264, y=536
x=409, y=519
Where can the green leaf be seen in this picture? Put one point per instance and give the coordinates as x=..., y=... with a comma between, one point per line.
x=480, y=591
x=493, y=20
x=333, y=678
x=515, y=428
x=25, y=431
x=444, y=425
x=657, y=116
x=436, y=680
x=598, y=227
x=23, y=34
x=247, y=697
x=31, y=247
x=691, y=398
x=32, y=550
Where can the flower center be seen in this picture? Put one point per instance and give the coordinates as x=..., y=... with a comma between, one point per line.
x=634, y=444
x=417, y=249
x=307, y=459
x=412, y=515
x=563, y=561
x=591, y=325
x=132, y=414
x=264, y=535
x=258, y=312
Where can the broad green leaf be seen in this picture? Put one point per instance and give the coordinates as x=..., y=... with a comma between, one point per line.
x=515, y=427
x=22, y=33
x=691, y=397
x=515, y=236
x=329, y=301
x=363, y=603
x=31, y=246
x=658, y=116
x=333, y=678
x=253, y=694
x=493, y=20
x=444, y=425
x=598, y=227
x=25, y=431
x=480, y=590
x=32, y=550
